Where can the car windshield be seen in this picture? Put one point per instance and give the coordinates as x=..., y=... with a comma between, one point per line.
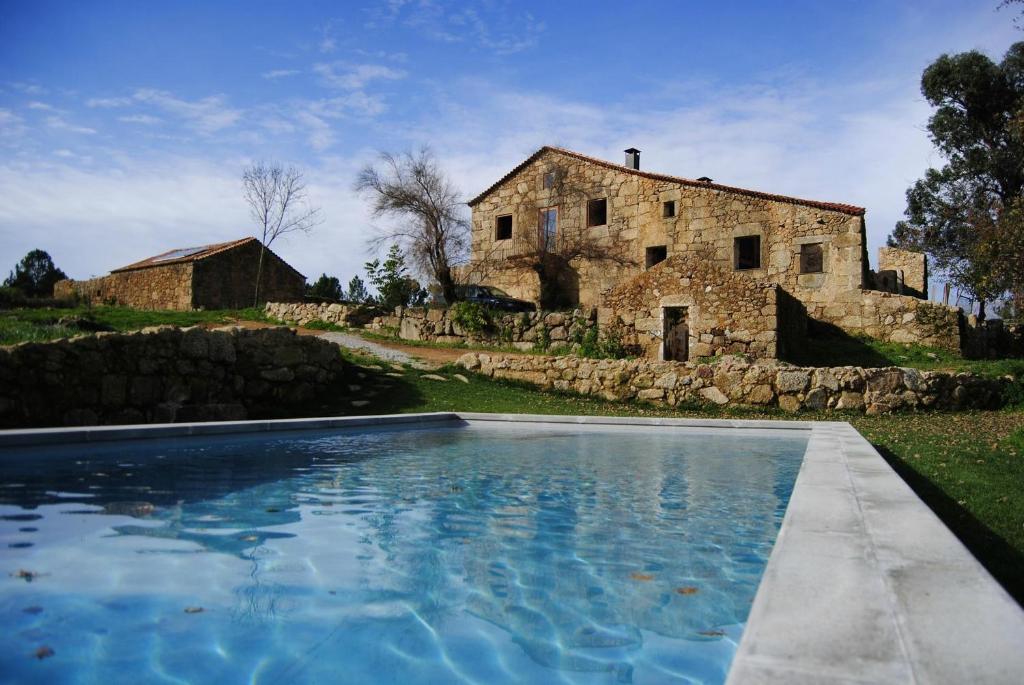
x=494, y=292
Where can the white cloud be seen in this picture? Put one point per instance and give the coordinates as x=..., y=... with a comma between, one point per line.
x=60, y=124
x=42, y=106
x=205, y=116
x=29, y=88
x=108, y=102
x=107, y=218
x=275, y=74
x=355, y=77
x=144, y=119
x=64, y=152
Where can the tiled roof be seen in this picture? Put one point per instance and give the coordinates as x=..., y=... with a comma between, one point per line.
x=834, y=206
x=187, y=254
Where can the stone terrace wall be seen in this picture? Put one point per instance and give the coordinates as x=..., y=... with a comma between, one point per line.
x=729, y=313
x=893, y=318
x=162, y=375
x=737, y=382
x=159, y=287
x=436, y=325
x=303, y=313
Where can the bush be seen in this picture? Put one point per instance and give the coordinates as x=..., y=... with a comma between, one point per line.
x=470, y=316
x=543, y=341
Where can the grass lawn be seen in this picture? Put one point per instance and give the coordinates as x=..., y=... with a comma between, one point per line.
x=967, y=466
x=35, y=325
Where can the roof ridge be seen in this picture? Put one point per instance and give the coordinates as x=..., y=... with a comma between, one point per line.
x=834, y=206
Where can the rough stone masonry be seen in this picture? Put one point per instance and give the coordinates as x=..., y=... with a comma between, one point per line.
x=163, y=375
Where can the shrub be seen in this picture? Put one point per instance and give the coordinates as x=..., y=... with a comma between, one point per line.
x=470, y=316
x=543, y=341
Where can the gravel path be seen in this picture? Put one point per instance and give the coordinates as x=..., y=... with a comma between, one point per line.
x=354, y=342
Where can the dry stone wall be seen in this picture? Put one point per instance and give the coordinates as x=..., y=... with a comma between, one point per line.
x=733, y=381
x=163, y=374
x=160, y=287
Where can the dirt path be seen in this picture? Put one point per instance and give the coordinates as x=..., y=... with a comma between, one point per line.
x=405, y=354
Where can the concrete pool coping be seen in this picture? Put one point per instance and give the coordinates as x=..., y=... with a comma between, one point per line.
x=864, y=583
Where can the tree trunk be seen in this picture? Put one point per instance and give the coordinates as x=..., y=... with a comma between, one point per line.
x=447, y=283
x=259, y=276
x=981, y=310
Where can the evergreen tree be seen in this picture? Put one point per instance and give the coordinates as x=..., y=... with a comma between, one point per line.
x=35, y=275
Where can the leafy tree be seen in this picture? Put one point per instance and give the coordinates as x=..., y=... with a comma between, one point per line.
x=35, y=275
x=326, y=287
x=391, y=279
x=357, y=291
x=431, y=225
x=962, y=215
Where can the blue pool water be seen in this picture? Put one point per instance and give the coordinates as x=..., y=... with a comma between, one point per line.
x=435, y=555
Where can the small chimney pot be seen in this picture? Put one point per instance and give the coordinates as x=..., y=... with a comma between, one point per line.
x=632, y=158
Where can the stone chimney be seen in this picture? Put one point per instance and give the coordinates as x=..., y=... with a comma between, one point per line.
x=632, y=158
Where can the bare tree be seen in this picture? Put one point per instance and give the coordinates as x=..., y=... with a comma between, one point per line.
x=431, y=226
x=277, y=201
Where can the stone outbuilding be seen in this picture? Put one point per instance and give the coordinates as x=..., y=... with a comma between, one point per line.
x=693, y=267
x=218, y=276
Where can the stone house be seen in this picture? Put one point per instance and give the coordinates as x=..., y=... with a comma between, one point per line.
x=692, y=267
x=218, y=276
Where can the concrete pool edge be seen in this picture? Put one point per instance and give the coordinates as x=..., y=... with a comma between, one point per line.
x=864, y=582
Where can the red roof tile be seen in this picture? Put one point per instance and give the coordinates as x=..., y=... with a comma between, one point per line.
x=186, y=254
x=834, y=206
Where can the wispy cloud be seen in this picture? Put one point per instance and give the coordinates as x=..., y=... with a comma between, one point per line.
x=206, y=116
x=501, y=29
x=42, y=106
x=355, y=76
x=108, y=102
x=60, y=124
x=28, y=88
x=275, y=74
x=144, y=119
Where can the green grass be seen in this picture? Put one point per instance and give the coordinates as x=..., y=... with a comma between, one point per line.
x=35, y=325
x=967, y=466
x=868, y=352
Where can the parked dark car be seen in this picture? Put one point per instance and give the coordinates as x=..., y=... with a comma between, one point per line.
x=493, y=298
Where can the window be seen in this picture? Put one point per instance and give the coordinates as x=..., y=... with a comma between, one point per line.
x=548, y=224
x=747, y=252
x=655, y=254
x=668, y=209
x=597, y=212
x=811, y=261
x=549, y=179
x=503, y=227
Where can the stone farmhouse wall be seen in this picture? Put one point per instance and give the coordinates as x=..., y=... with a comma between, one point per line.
x=727, y=312
x=225, y=280
x=736, y=382
x=162, y=375
x=893, y=318
x=706, y=220
x=908, y=272
x=160, y=287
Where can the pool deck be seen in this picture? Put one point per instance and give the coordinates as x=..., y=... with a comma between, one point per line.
x=864, y=584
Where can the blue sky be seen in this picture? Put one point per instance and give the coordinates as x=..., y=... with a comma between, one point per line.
x=124, y=126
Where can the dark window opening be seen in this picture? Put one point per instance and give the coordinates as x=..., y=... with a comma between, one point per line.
x=597, y=212
x=549, y=179
x=548, y=226
x=676, y=334
x=668, y=209
x=656, y=254
x=503, y=227
x=811, y=258
x=748, y=252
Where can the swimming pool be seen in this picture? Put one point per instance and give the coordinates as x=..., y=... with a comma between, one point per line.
x=438, y=552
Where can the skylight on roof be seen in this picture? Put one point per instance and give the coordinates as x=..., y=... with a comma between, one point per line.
x=179, y=254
